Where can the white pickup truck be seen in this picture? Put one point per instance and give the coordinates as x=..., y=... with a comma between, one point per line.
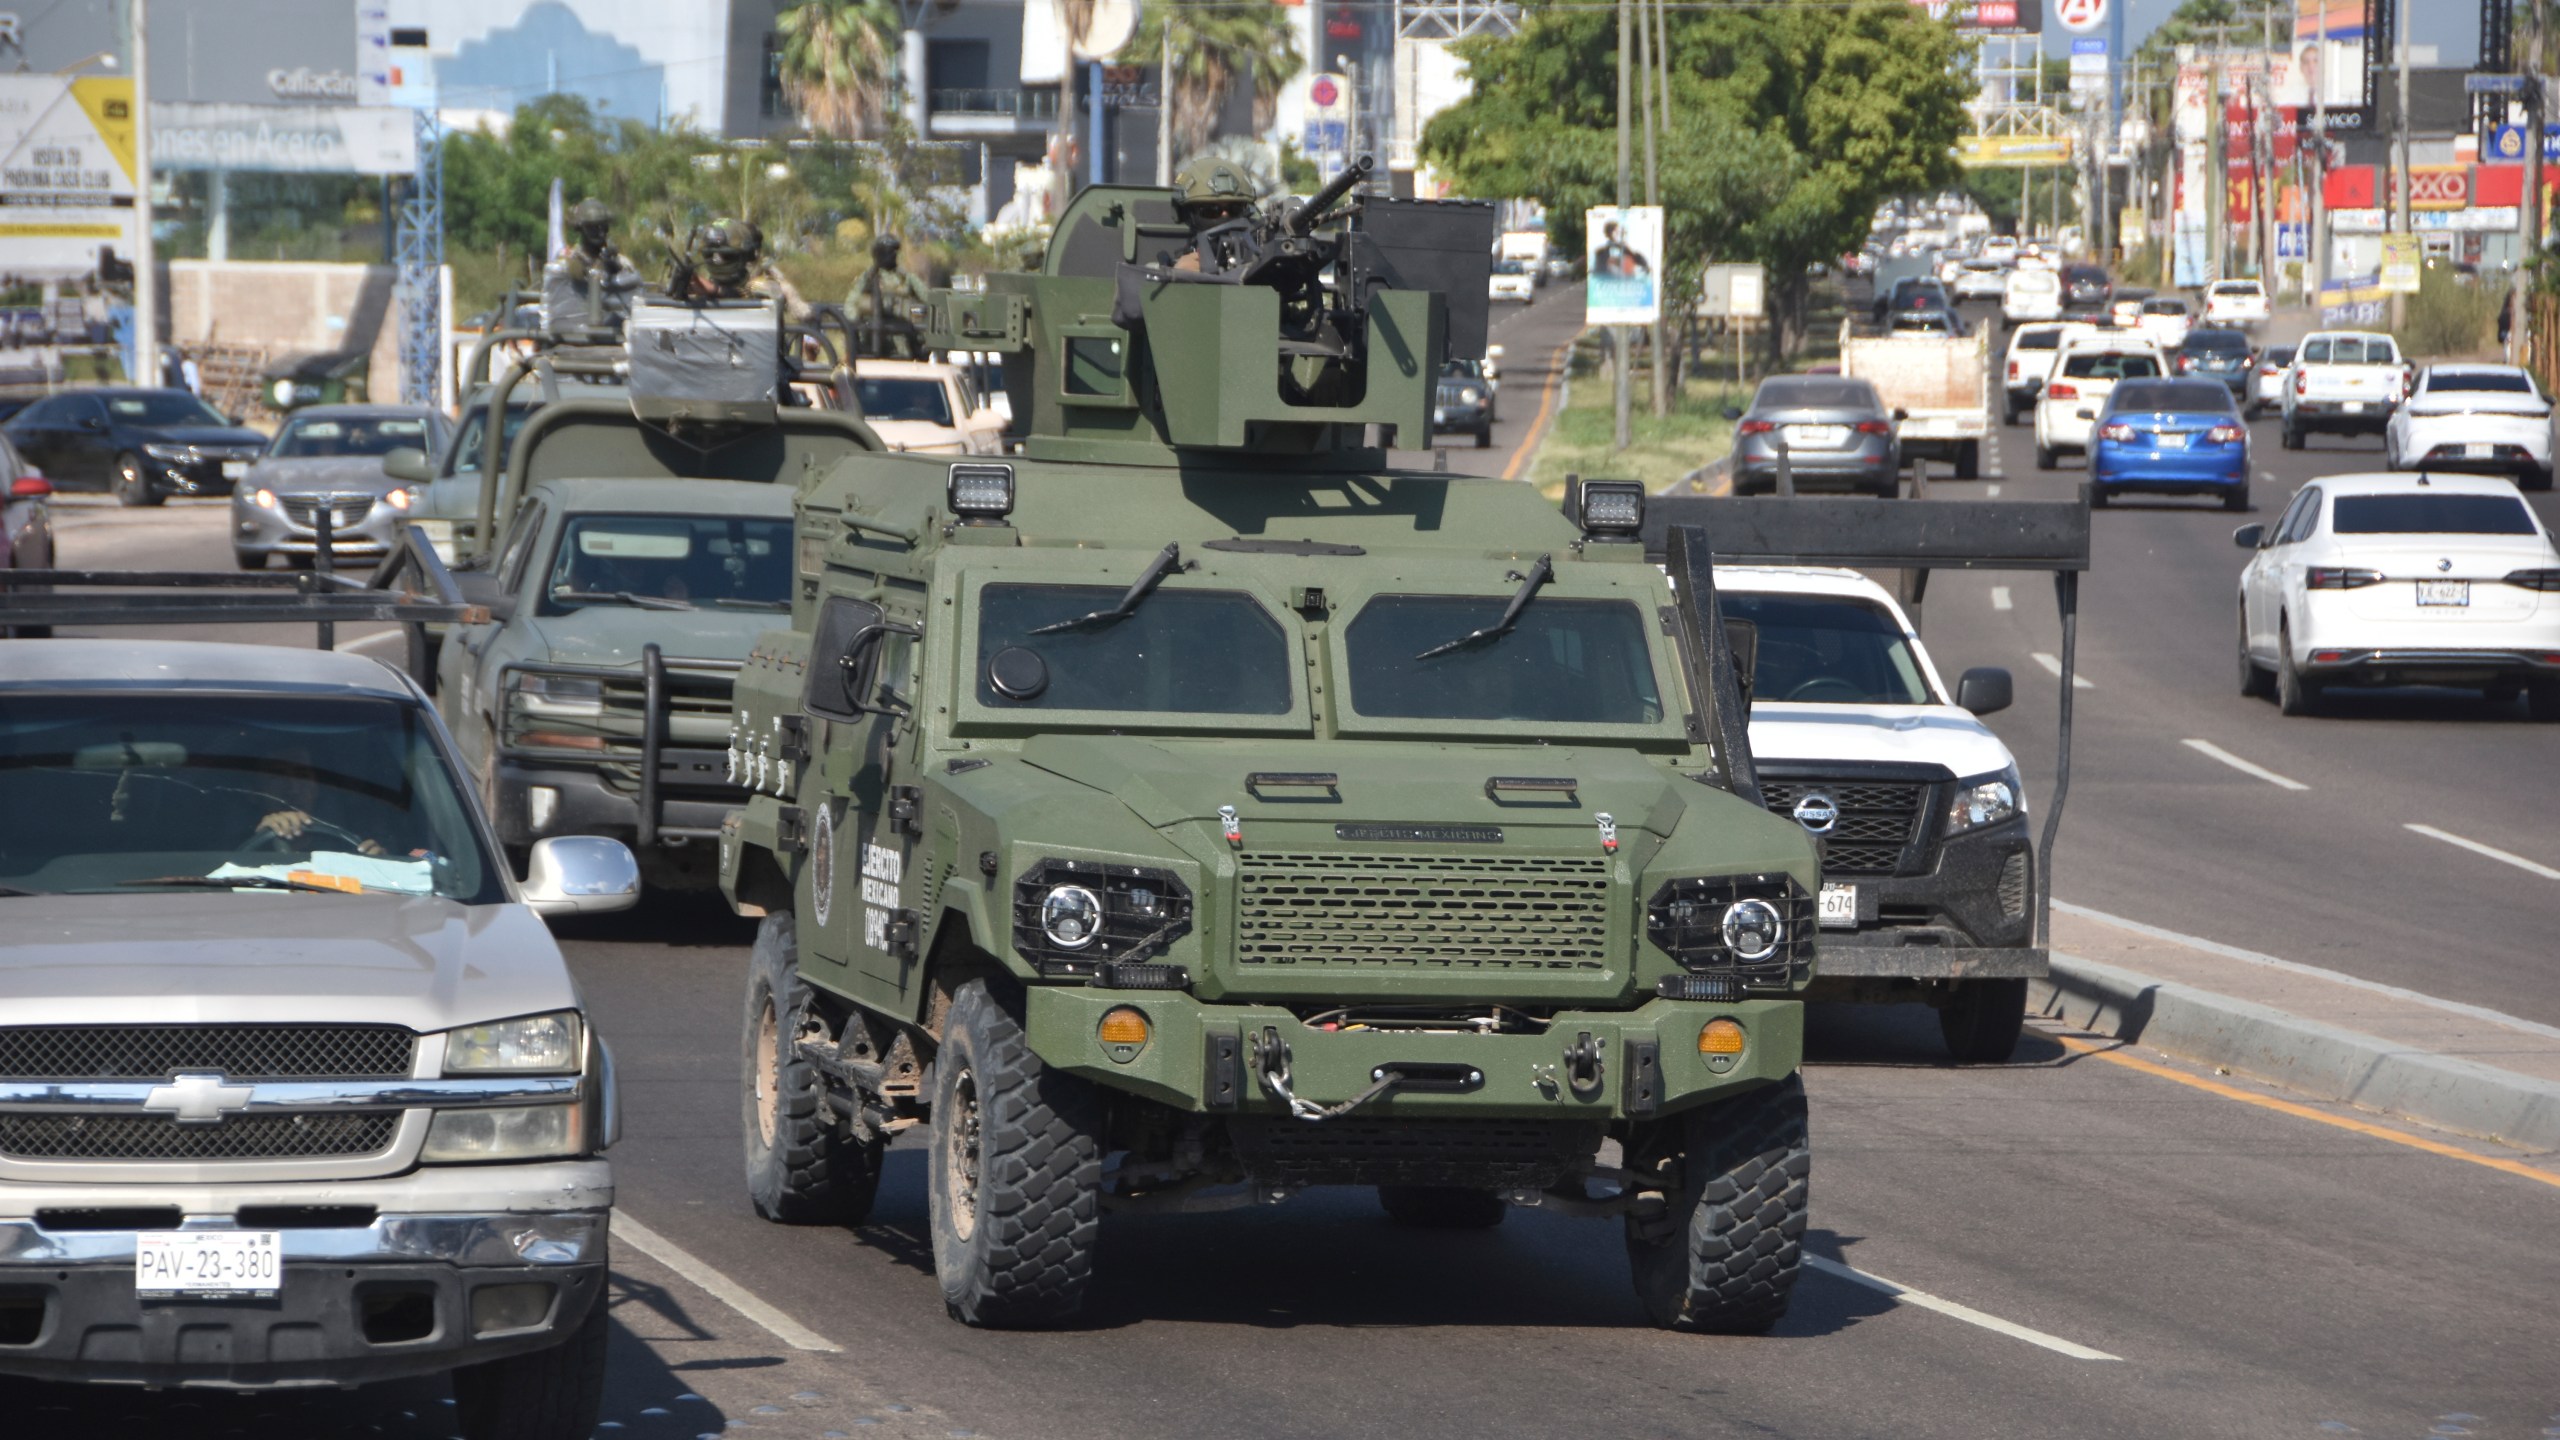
x=2240, y=303
x=2346, y=382
x=1939, y=384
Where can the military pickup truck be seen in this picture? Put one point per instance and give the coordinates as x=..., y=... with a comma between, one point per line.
x=1194, y=810
x=295, y=1089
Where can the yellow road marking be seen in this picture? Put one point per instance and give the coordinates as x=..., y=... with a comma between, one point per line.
x=1546, y=407
x=2306, y=1112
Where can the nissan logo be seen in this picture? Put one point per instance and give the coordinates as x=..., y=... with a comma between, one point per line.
x=1817, y=813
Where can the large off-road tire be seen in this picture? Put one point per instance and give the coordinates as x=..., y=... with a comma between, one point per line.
x=549, y=1394
x=1730, y=1259
x=132, y=483
x=1016, y=1172
x=803, y=1168
x=1982, y=1019
x=1441, y=1207
x=2294, y=695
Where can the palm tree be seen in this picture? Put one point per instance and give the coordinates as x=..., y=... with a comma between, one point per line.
x=1216, y=45
x=839, y=62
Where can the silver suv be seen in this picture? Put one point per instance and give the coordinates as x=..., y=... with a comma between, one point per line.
x=295, y=1088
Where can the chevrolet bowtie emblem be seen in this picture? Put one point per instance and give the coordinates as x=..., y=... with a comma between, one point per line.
x=198, y=1099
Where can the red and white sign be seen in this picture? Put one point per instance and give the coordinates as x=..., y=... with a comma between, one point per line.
x=2080, y=17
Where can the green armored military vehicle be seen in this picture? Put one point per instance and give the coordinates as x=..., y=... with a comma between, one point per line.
x=1192, y=809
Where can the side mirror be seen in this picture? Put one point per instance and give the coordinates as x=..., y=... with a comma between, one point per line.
x=2249, y=537
x=1733, y=413
x=92, y=422
x=30, y=486
x=409, y=463
x=1900, y=415
x=1985, y=690
x=581, y=875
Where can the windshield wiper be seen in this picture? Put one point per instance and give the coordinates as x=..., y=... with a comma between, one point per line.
x=644, y=602
x=1167, y=560
x=1530, y=584
x=739, y=602
x=238, y=882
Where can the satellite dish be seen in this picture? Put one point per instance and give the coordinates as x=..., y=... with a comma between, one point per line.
x=1112, y=25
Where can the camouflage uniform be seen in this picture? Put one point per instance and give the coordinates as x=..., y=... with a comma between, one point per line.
x=883, y=302
x=1210, y=193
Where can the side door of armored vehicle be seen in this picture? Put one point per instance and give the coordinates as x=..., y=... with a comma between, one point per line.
x=468, y=664
x=863, y=802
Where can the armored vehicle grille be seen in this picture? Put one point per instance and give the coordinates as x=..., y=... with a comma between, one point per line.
x=1544, y=913
x=1362, y=1150
x=1878, y=820
x=242, y=1052
x=154, y=1137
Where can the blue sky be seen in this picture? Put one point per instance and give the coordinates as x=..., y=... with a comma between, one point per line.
x=2454, y=28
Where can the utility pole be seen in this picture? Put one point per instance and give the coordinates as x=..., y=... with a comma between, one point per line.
x=1164, y=105
x=146, y=266
x=2217, y=169
x=2400, y=153
x=2315, y=274
x=2528, y=213
x=1626, y=184
x=2262, y=153
x=1652, y=196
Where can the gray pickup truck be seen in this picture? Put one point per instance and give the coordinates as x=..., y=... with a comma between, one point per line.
x=295, y=1088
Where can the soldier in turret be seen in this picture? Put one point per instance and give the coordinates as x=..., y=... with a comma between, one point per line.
x=882, y=304
x=724, y=260
x=1211, y=194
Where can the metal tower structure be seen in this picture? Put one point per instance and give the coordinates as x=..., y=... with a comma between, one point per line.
x=420, y=254
x=1455, y=19
x=1423, y=24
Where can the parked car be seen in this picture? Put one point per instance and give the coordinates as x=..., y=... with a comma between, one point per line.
x=2170, y=437
x=2083, y=378
x=1836, y=432
x=2346, y=382
x=2031, y=293
x=329, y=457
x=2087, y=290
x=144, y=445
x=2473, y=417
x=2164, y=318
x=2266, y=380
x=2216, y=354
x=2235, y=302
x=2401, y=580
x=2033, y=349
x=26, y=524
x=1511, y=281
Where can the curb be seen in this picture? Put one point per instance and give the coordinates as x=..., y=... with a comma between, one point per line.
x=2320, y=1060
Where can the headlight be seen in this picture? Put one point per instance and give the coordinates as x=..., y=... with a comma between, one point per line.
x=400, y=499
x=1985, y=800
x=1757, y=926
x=1472, y=395
x=557, y=694
x=174, y=454
x=1069, y=916
x=264, y=499
x=519, y=1132
x=553, y=1044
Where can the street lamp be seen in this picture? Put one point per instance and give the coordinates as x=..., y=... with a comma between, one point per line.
x=106, y=58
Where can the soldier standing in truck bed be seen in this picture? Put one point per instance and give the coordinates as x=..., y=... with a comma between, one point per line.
x=882, y=305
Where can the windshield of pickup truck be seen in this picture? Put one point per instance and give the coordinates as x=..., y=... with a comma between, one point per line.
x=1828, y=650
x=2351, y=350
x=142, y=791
x=1579, y=662
x=1177, y=651
x=671, y=562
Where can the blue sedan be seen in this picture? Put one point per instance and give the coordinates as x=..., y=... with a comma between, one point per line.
x=2170, y=437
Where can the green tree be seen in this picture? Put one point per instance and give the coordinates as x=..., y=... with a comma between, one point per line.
x=839, y=63
x=1217, y=45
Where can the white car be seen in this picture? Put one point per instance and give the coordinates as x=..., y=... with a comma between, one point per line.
x=1982, y=280
x=2235, y=303
x=2473, y=417
x=2033, y=349
x=2401, y=580
x=2165, y=322
x=2266, y=381
x=1511, y=281
x=2031, y=293
x=2001, y=248
x=2083, y=378
x=927, y=407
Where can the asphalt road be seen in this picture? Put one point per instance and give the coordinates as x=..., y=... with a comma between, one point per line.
x=2234, y=1270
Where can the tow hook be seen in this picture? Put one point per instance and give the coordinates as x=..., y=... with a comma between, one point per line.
x=1271, y=1064
x=1583, y=1067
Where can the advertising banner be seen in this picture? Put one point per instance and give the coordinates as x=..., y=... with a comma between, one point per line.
x=66, y=171
x=1989, y=17
x=2355, y=302
x=1979, y=152
x=2081, y=17
x=1625, y=254
x=2403, y=258
x=320, y=139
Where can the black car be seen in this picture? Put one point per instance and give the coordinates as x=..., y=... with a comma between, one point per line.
x=144, y=445
x=1463, y=404
x=2087, y=290
x=1913, y=292
x=2216, y=354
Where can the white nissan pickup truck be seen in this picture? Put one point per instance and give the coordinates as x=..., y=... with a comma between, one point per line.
x=2344, y=382
x=1928, y=869
x=295, y=1088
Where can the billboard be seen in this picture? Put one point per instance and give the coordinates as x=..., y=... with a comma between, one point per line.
x=2024, y=152
x=66, y=171
x=1989, y=17
x=1625, y=253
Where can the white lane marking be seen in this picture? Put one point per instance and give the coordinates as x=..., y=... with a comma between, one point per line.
x=2314, y=972
x=1951, y=1309
x=2053, y=666
x=720, y=1287
x=2000, y=597
x=2493, y=852
x=2245, y=767
x=1993, y=492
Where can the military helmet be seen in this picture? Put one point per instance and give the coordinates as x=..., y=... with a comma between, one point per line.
x=591, y=211
x=884, y=251
x=1213, y=184
x=728, y=248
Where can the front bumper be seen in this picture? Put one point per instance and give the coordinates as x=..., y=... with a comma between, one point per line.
x=1970, y=914
x=389, y=1299
x=256, y=530
x=1199, y=1058
x=1459, y=419
x=582, y=801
